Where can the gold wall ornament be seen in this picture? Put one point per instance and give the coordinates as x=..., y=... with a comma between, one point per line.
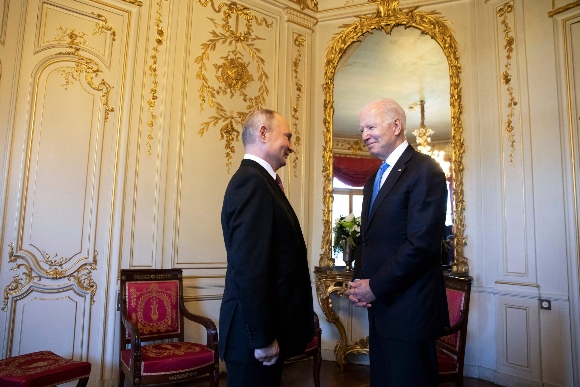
x=135, y=2
x=83, y=65
x=83, y=279
x=349, y=146
x=81, y=276
x=506, y=76
x=232, y=71
x=73, y=38
x=19, y=281
x=307, y=4
x=388, y=16
x=299, y=43
x=158, y=42
x=103, y=28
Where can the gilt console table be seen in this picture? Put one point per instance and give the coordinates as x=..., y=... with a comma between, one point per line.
x=335, y=280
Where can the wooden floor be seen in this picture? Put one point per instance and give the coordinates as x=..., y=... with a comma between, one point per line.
x=353, y=375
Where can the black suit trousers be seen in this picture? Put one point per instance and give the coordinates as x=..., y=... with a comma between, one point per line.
x=397, y=363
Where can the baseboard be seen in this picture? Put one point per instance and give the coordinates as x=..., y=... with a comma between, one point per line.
x=501, y=379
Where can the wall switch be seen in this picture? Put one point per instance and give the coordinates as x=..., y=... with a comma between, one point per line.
x=545, y=304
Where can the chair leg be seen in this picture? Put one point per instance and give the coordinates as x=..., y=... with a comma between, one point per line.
x=83, y=382
x=316, y=363
x=214, y=378
x=121, y=377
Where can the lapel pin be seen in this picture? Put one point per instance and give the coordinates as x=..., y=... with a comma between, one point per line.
x=399, y=169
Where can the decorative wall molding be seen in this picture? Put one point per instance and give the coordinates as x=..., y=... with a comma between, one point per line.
x=299, y=18
x=135, y=2
x=33, y=273
x=564, y=8
x=3, y=20
x=153, y=73
x=355, y=147
x=509, y=42
x=309, y=4
x=299, y=43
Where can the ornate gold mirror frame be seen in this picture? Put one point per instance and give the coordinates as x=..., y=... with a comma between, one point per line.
x=387, y=17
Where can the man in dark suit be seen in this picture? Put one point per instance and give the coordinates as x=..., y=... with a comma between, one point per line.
x=399, y=273
x=266, y=314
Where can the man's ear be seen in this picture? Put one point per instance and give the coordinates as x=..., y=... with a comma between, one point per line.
x=397, y=126
x=262, y=133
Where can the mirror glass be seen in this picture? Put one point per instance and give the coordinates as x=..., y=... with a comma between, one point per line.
x=409, y=67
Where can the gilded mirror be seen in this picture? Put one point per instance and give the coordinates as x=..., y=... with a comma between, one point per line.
x=382, y=25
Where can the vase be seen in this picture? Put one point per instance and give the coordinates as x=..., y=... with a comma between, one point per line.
x=347, y=255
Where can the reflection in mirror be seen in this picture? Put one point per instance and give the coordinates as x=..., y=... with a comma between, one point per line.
x=409, y=67
x=419, y=68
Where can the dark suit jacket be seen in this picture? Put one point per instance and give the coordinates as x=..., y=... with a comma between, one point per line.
x=398, y=249
x=267, y=292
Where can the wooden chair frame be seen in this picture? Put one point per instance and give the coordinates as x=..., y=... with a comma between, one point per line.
x=462, y=284
x=315, y=353
x=135, y=339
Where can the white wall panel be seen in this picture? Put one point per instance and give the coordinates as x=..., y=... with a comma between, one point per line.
x=518, y=330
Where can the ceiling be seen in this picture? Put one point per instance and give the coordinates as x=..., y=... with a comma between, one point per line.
x=406, y=66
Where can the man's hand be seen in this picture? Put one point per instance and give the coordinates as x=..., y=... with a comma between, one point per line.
x=269, y=354
x=360, y=293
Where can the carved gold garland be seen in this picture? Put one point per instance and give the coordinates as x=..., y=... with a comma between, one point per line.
x=387, y=17
x=233, y=72
x=160, y=35
x=299, y=42
x=506, y=76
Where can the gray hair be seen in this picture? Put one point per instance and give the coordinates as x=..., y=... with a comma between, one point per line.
x=390, y=108
x=253, y=122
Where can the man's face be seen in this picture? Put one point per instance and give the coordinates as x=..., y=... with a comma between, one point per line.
x=379, y=132
x=279, y=142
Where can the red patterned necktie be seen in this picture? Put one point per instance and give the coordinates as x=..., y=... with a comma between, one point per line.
x=279, y=181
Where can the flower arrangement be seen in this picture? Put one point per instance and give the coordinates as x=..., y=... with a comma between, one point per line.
x=346, y=228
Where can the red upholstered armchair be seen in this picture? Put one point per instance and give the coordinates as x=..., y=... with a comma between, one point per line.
x=152, y=310
x=313, y=350
x=451, y=346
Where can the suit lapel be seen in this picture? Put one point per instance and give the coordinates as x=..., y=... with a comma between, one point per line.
x=394, y=175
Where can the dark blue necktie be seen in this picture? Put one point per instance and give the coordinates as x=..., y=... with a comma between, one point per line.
x=377, y=184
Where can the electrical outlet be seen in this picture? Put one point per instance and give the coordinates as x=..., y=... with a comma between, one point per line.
x=545, y=304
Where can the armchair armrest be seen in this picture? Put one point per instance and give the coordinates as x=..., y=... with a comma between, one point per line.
x=206, y=322
x=455, y=327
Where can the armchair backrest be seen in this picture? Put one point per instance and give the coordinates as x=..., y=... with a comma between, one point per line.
x=458, y=291
x=151, y=299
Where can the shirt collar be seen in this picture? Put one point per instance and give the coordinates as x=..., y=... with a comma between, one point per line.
x=396, y=154
x=262, y=162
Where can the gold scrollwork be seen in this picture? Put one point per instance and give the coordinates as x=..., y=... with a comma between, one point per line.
x=388, y=16
x=506, y=76
x=83, y=278
x=18, y=283
x=102, y=28
x=83, y=65
x=232, y=73
x=299, y=42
